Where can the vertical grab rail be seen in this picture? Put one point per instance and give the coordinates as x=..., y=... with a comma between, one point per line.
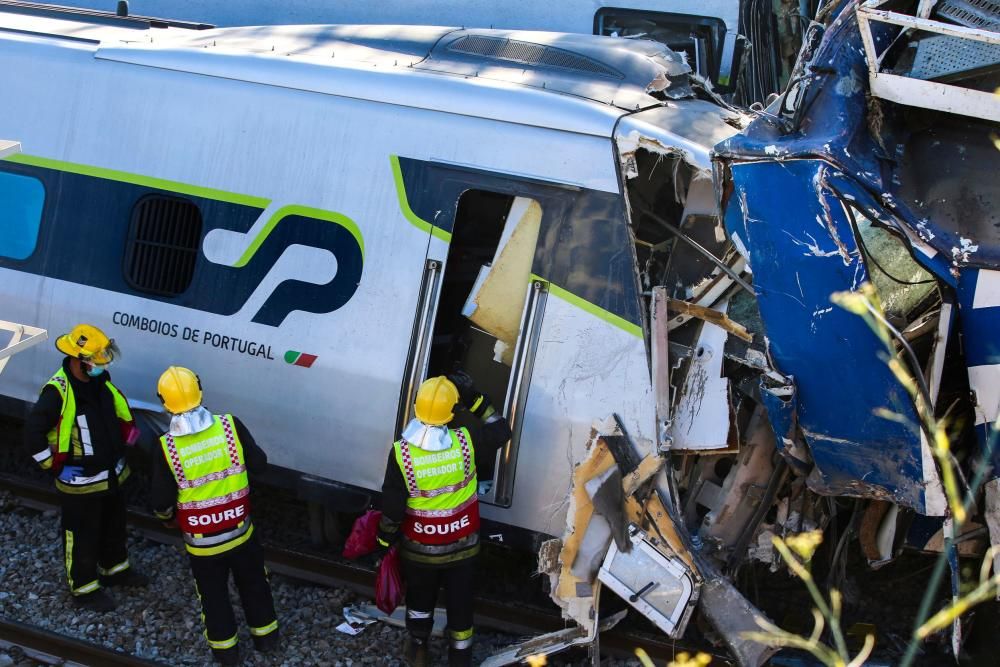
x=517, y=390
x=419, y=356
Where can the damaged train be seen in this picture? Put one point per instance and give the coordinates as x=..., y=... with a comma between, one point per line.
x=317, y=217
x=778, y=411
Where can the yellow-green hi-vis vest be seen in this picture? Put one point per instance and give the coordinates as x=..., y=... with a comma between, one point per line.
x=73, y=440
x=213, y=503
x=443, y=506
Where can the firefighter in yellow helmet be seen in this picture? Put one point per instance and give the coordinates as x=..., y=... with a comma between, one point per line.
x=79, y=430
x=430, y=507
x=200, y=484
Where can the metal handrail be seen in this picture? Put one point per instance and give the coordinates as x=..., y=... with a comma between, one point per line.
x=517, y=390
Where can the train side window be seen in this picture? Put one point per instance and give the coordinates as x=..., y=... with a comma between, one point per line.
x=162, y=246
x=21, y=201
x=700, y=37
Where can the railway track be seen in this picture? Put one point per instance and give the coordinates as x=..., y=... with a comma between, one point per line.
x=515, y=618
x=51, y=648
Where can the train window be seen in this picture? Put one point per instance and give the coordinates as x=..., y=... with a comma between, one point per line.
x=699, y=37
x=163, y=243
x=21, y=201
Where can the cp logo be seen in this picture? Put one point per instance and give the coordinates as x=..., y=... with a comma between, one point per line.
x=290, y=226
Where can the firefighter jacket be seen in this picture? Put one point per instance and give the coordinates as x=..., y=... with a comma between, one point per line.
x=83, y=425
x=201, y=481
x=429, y=498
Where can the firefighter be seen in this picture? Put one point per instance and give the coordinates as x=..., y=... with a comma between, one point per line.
x=200, y=485
x=78, y=430
x=430, y=506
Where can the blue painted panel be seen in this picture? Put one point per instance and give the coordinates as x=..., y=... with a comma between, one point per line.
x=802, y=249
x=980, y=326
x=81, y=204
x=21, y=202
x=981, y=341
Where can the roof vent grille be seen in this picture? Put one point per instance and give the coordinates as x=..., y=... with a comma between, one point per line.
x=526, y=53
x=982, y=14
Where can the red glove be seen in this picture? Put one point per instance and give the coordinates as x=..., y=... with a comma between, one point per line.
x=130, y=434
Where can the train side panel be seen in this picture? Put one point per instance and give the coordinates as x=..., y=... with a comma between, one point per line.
x=302, y=299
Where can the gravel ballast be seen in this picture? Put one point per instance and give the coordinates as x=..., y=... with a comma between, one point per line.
x=163, y=622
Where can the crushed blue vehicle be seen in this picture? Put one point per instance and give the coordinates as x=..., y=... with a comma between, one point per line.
x=873, y=172
x=876, y=171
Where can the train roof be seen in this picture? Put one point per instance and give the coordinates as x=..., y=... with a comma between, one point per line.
x=579, y=83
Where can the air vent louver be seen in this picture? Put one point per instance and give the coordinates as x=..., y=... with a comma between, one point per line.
x=526, y=53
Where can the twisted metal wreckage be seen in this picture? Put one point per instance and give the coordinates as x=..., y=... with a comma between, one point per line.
x=876, y=165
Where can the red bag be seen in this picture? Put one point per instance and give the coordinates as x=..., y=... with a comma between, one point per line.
x=389, y=588
x=361, y=541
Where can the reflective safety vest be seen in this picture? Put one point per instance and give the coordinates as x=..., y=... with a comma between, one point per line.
x=443, y=506
x=212, y=486
x=61, y=439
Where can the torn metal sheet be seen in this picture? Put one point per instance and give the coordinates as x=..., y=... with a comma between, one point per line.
x=660, y=364
x=701, y=414
x=596, y=514
x=689, y=131
x=742, y=491
x=550, y=643
x=780, y=401
x=596, y=511
x=573, y=573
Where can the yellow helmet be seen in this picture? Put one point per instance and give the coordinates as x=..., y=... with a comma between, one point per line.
x=436, y=401
x=179, y=390
x=88, y=343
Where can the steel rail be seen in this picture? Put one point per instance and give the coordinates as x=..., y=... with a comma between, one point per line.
x=512, y=617
x=51, y=648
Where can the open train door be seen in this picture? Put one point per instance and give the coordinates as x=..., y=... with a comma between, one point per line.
x=479, y=310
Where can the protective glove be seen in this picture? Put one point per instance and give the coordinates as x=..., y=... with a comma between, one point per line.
x=381, y=549
x=130, y=434
x=467, y=393
x=69, y=472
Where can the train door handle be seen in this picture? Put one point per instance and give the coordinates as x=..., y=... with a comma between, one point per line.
x=642, y=591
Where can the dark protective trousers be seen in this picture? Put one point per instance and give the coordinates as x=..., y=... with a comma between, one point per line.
x=211, y=576
x=422, y=585
x=93, y=535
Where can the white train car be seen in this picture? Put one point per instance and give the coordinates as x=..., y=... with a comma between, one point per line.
x=706, y=30
x=302, y=214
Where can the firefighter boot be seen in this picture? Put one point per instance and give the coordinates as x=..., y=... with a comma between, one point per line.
x=226, y=656
x=128, y=578
x=460, y=648
x=267, y=643
x=415, y=652
x=98, y=601
x=459, y=657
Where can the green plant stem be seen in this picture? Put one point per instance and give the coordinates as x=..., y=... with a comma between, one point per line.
x=942, y=561
x=802, y=573
x=925, y=604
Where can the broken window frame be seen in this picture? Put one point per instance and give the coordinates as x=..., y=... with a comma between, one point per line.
x=853, y=210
